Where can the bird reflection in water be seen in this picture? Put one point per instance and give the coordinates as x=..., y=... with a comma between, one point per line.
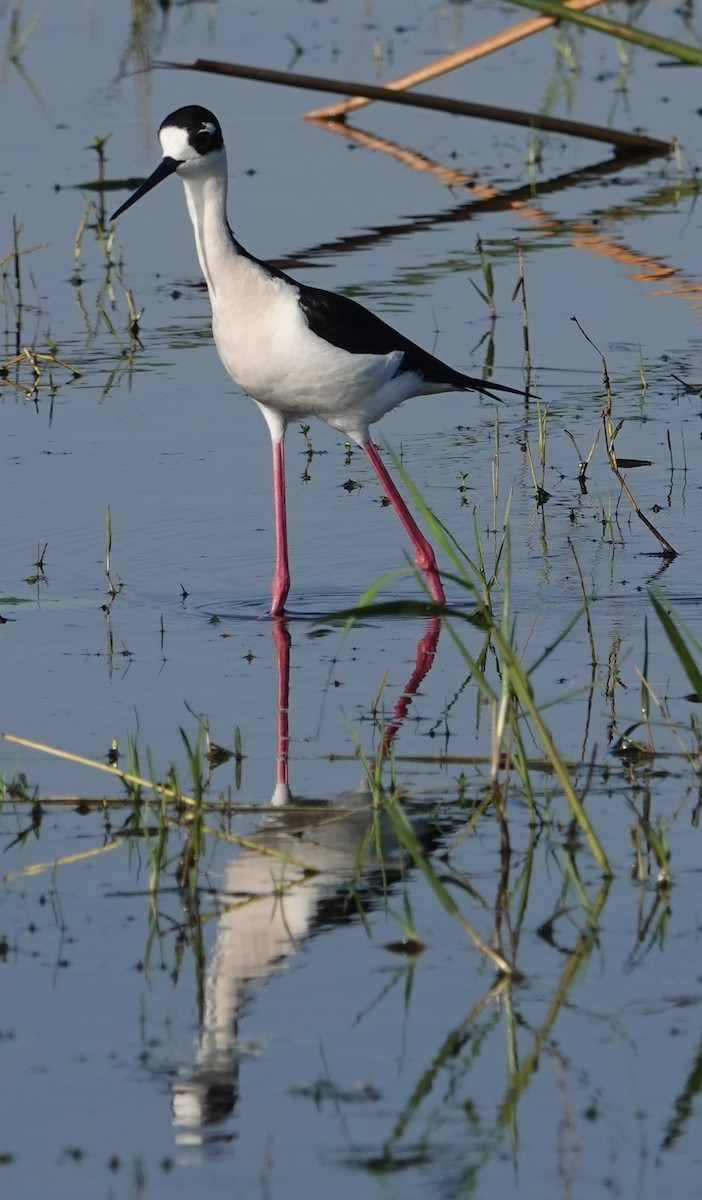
x=308, y=855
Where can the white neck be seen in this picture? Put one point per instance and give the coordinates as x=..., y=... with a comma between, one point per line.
x=206, y=197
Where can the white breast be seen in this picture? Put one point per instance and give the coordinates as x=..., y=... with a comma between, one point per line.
x=265, y=343
x=269, y=350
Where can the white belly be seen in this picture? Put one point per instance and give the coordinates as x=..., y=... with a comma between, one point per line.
x=271, y=353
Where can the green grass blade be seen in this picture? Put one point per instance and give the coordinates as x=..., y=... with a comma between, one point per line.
x=674, y=631
x=628, y=33
x=408, y=838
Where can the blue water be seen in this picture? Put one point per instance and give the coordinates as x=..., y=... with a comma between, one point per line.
x=268, y=1041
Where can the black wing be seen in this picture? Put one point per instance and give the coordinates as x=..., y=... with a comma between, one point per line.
x=350, y=326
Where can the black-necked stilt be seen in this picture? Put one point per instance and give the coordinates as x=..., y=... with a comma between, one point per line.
x=298, y=351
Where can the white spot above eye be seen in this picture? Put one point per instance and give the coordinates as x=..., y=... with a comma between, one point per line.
x=174, y=142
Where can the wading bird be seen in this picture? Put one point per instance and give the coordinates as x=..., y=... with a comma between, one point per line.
x=297, y=351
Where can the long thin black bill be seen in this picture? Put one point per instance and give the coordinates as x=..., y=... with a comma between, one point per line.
x=165, y=168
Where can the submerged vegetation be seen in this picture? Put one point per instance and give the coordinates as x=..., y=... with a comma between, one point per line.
x=512, y=883
x=524, y=774
x=31, y=363
x=524, y=770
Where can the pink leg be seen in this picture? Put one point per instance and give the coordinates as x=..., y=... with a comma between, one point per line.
x=424, y=554
x=281, y=579
x=426, y=650
x=281, y=638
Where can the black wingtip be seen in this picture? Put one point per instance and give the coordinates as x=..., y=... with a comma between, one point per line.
x=489, y=389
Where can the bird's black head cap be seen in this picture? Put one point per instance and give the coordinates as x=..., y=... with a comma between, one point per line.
x=202, y=127
x=187, y=136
